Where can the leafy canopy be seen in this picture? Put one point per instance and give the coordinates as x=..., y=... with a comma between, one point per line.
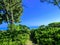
x=54, y=2
x=12, y=10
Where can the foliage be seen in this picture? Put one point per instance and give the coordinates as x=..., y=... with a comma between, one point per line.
x=15, y=37
x=56, y=24
x=46, y=35
x=10, y=12
x=13, y=10
x=54, y=2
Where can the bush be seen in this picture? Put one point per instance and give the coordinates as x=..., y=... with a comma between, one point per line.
x=14, y=37
x=46, y=35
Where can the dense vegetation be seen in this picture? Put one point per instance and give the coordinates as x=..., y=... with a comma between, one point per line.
x=17, y=34
x=47, y=35
x=15, y=37
x=44, y=35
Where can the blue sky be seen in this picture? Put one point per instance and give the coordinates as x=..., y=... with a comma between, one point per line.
x=36, y=13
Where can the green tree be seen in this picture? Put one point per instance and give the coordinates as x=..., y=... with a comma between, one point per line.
x=54, y=2
x=10, y=11
x=47, y=35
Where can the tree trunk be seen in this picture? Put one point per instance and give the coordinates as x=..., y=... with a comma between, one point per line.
x=12, y=20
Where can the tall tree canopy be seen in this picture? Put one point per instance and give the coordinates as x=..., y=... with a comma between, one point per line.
x=10, y=10
x=54, y=2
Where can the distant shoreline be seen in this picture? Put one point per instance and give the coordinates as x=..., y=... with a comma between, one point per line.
x=33, y=27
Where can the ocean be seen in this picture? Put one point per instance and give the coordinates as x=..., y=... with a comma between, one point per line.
x=33, y=27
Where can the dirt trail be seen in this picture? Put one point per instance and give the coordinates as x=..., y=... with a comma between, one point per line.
x=30, y=43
